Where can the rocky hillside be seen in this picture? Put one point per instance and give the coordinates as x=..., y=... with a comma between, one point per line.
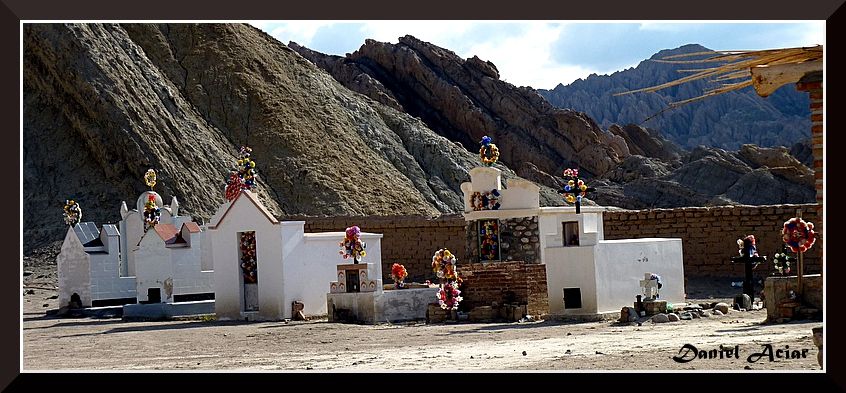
x=464, y=100
x=726, y=121
x=632, y=166
x=394, y=132
x=103, y=103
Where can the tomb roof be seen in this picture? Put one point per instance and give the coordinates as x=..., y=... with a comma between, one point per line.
x=86, y=232
x=192, y=227
x=249, y=196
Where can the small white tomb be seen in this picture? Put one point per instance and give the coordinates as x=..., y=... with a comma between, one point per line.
x=290, y=265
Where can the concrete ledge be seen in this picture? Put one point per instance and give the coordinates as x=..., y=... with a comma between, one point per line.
x=167, y=310
x=607, y=316
x=389, y=306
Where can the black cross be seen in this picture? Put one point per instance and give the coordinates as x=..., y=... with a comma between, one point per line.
x=750, y=262
x=576, y=191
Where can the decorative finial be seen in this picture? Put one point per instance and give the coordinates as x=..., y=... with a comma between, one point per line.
x=488, y=153
x=150, y=178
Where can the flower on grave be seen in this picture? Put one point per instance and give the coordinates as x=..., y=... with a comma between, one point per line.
x=352, y=246
x=243, y=175
x=248, y=257
x=485, y=201
x=798, y=235
x=398, y=274
x=449, y=296
x=781, y=262
x=72, y=212
x=575, y=189
x=152, y=213
x=488, y=153
x=747, y=246
x=444, y=266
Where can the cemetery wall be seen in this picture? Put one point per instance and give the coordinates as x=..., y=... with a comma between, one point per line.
x=408, y=240
x=709, y=236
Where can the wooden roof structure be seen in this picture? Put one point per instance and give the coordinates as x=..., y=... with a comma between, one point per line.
x=765, y=70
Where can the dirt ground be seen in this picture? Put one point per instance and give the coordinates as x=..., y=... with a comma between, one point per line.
x=52, y=343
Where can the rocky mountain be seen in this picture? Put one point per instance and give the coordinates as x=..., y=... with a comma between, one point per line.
x=393, y=130
x=104, y=102
x=725, y=121
x=634, y=167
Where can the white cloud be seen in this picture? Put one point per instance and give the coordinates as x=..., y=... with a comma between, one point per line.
x=525, y=59
x=300, y=31
x=445, y=34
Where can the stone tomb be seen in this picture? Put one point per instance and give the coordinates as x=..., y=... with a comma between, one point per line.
x=504, y=272
x=356, y=298
x=586, y=276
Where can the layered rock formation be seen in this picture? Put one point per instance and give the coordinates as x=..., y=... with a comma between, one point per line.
x=631, y=166
x=103, y=103
x=397, y=135
x=726, y=121
x=464, y=100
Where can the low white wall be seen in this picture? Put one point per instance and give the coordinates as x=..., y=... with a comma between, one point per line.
x=106, y=282
x=570, y=267
x=73, y=271
x=312, y=265
x=621, y=264
x=154, y=268
x=188, y=276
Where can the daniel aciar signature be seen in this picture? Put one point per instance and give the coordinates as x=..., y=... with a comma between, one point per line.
x=689, y=353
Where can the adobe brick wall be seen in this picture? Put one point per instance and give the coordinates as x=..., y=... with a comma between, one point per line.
x=407, y=240
x=501, y=282
x=709, y=234
x=812, y=83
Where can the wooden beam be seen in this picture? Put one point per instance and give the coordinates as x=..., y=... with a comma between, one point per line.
x=767, y=79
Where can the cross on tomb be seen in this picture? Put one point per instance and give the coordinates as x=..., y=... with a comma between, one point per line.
x=749, y=262
x=649, y=286
x=574, y=189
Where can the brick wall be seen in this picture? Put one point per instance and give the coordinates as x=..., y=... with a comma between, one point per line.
x=504, y=282
x=812, y=83
x=709, y=234
x=411, y=240
x=408, y=240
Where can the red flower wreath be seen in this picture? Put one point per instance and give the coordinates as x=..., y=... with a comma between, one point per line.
x=798, y=234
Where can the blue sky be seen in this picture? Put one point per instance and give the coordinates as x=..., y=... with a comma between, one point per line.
x=542, y=54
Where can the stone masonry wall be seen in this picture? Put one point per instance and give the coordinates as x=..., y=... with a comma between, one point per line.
x=709, y=234
x=518, y=237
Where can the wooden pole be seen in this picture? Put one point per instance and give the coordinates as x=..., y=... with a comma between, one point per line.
x=800, y=267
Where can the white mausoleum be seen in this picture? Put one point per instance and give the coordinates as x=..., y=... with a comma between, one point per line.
x=586, y=274
x=291, y=265
x=123, y=264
